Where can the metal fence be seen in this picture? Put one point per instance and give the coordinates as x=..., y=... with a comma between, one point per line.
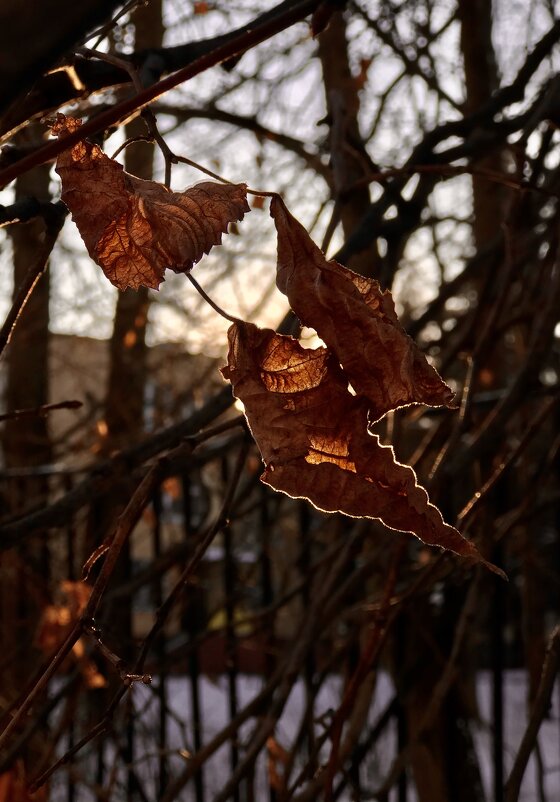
x=253, y=654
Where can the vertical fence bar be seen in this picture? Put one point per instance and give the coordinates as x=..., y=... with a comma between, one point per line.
x=71, y=574
x=497, y=648
x=557, y=522
x=125, y=628
x=267, y=594
x=231, y=643
x=353, y=656
x=402, y=729
x=231, y=655
x=100, y=763
x=129, y=750
x=305, y=559
x=190, y=625
x=160, y=648
x=90, y=543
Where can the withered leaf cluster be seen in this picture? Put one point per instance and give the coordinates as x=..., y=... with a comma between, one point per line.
x=313, y=431
x=310, y=410
x=314, y=439
x=135, y=229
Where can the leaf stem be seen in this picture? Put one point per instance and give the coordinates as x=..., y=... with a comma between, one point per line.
x=209, y=300
x=262, y=193
x=205, y=170
x=130, y=141
x=218, y=177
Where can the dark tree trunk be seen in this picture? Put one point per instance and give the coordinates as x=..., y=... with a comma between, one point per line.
x=124, y=399
x=349, y=158
x=24, y=580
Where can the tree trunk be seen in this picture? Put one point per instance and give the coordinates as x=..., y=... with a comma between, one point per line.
x=481, y=79
x=124, y=399
x=443, y=758
x=444, y=761
x=24, y=580
x=349, y=158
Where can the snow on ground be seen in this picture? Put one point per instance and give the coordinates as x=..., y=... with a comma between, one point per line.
x=214, y=698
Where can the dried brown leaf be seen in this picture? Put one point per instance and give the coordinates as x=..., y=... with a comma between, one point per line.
x=53, y=627
x=278, y=759
x=357, y=320
x=135, y=229
x=77, y=594
x=14, y=786
x=56, y=622
x=314, y=439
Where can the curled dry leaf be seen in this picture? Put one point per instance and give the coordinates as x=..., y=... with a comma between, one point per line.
x=357, y=321
x=314, y=439
x=135, y=229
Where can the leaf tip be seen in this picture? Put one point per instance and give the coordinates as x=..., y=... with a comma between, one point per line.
x=494, y=568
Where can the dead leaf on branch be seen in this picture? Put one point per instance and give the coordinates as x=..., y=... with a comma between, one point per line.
x=135, y=229
x=314, y=438
x=56, y=622
x=356, y=320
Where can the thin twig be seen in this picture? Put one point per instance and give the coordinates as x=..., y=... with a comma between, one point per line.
x=214, y=431
x=147, y=114
x=125, y=524
x=440, y=691
x=141, y=497
x=525, y=441
x=365, y=665
x=541, y=335
x=41, y=412
x=209, y=300
x=27, y=703
x=102, y=474
x=102, y=32
x=319, y=613
x=116, y=114
x=127, y=676
x=194, y=562
x=100, y=728
x=492, y=176
x=54, y=220
x=538, y=712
